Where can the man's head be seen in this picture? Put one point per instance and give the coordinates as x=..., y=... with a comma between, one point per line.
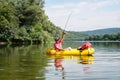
x=56, y=38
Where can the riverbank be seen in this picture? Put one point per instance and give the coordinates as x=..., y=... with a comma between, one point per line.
x=22, y=42
x=3, y=43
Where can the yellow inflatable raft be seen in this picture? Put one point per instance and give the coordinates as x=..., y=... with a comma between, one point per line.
x=73, y=52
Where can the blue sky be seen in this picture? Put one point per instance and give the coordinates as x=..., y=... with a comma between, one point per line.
x=86, y=14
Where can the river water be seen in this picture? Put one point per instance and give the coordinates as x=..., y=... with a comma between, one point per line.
x=29, y=62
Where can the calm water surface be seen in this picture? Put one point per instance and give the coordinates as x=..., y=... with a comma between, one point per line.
x=29, y=62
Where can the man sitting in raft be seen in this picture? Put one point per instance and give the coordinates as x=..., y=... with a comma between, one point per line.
x=58, y=43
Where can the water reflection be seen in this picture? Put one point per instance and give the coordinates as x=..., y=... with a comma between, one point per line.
x=58, y=65
x=23, y=62
x=80, y=59
x=29, y=62
x=86, y=59
x=60, y=61
x=107, y=44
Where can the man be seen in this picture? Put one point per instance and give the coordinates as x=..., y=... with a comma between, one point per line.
x=58, y=43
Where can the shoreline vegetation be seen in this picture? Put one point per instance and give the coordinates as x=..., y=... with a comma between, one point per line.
x=78, y=36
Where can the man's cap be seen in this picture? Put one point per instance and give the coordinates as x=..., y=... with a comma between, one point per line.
x=57, y=38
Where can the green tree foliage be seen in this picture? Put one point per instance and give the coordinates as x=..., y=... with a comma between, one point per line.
x=105, y=37
x=74, y=36
x=22, y=20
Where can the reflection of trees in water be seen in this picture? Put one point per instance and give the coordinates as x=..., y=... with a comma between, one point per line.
x=106, y=44
x=23, y=61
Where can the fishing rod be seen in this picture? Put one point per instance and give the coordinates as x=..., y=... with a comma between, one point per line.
x=67, y=21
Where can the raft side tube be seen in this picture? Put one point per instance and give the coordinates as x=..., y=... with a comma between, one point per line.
x=73, y=52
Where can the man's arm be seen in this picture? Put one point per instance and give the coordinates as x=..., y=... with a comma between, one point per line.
x=63, y=35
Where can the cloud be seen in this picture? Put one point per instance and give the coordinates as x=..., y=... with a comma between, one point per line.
x=87, y=14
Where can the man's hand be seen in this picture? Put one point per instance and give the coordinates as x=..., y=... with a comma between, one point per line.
x=64, y=33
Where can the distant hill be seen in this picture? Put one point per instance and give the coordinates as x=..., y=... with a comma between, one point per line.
x=72, y=35
x=102, y=31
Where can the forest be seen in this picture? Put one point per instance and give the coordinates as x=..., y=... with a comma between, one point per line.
x=105, y=37
x=25, y=21
x=81, y=36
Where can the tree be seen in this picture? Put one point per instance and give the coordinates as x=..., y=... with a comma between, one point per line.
x=25, y=20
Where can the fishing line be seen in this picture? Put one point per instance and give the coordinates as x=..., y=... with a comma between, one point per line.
x=67, y=21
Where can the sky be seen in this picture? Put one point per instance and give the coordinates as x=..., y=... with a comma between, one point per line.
x=83, y=15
